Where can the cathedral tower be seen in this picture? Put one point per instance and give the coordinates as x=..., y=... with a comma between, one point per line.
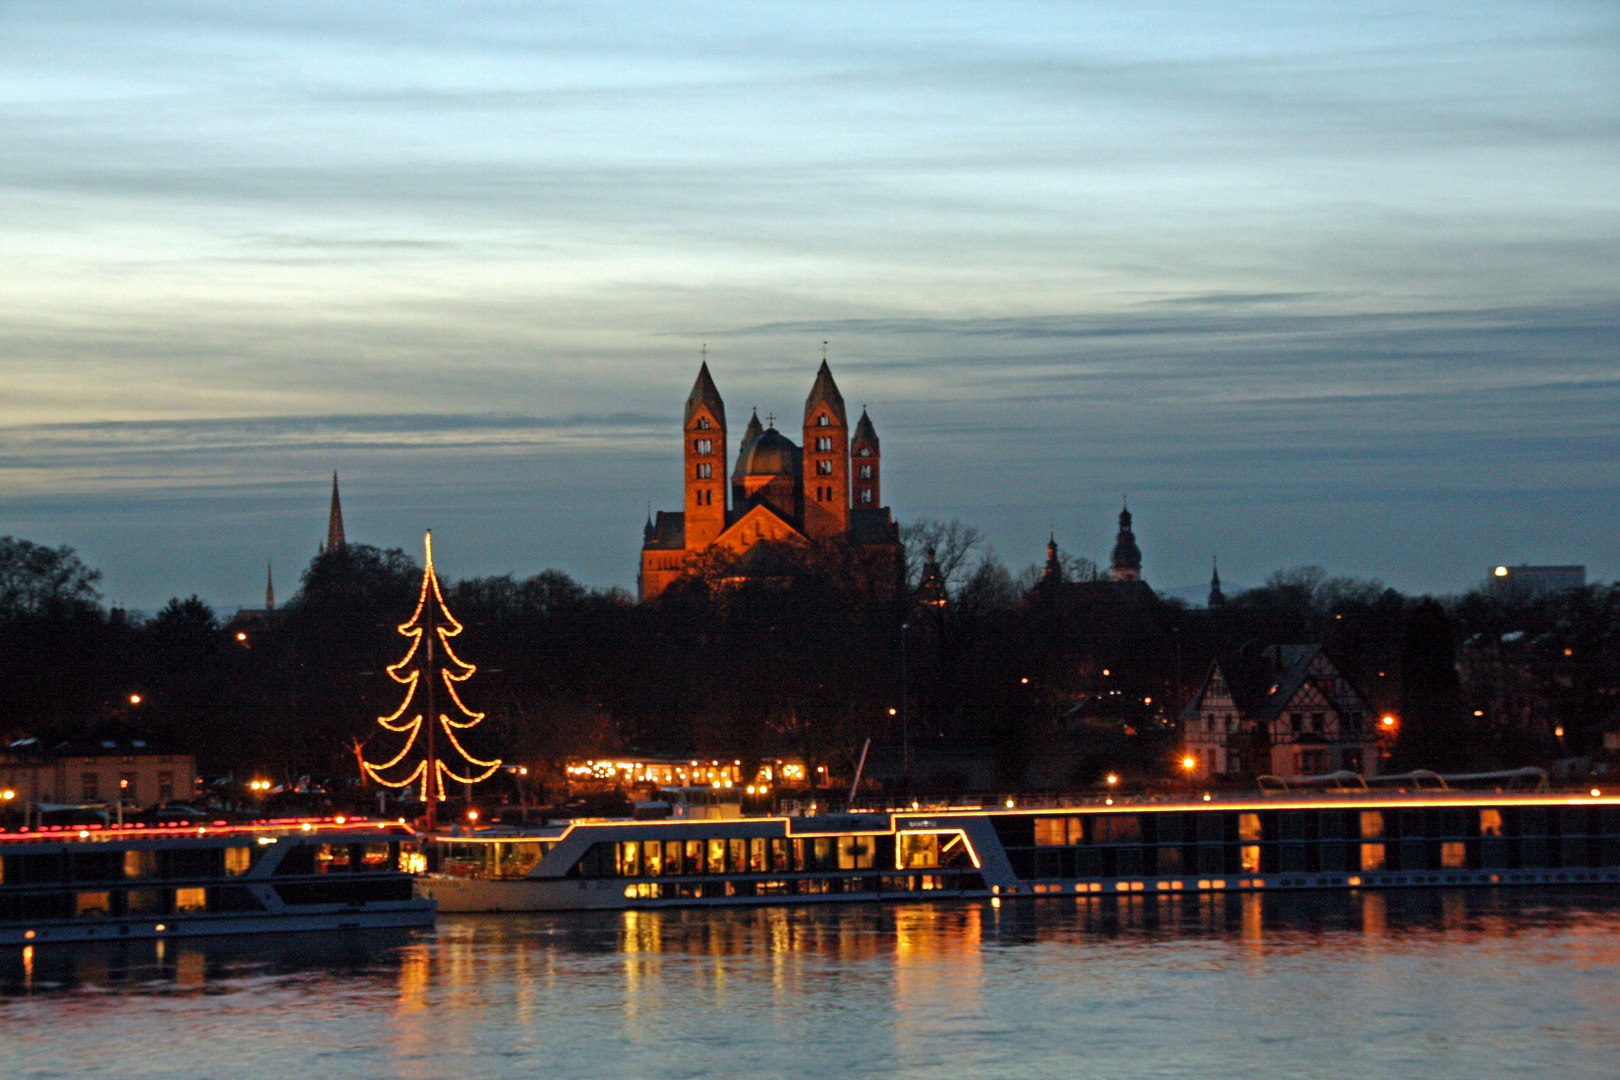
x=826, y=459
x=705, y=462
x=865, y=458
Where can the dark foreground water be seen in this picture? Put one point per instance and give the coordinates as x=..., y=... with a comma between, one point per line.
x=1403, y=984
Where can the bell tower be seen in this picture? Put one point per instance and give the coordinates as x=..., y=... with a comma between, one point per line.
x=866, y=464
x=826, y=459
x=705, y=461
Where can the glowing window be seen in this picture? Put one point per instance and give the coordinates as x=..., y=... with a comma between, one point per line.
x=1372, y=856
x=1250, y=855
x=190, y=900
x=238, y=860
x=1249, y=827
x=140, y=864
x=1453, y=855
x=92, y=905
x=1490, y=823
x=1372, y=824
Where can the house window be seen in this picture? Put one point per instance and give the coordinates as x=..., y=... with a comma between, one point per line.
x=823, y=468
x=704, y=446
x=866, y=472
x=705, y=470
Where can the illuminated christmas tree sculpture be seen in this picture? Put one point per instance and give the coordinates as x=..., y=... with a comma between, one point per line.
x=432, y=752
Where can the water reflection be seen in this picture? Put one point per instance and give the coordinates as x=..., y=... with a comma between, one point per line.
x=1483, y=979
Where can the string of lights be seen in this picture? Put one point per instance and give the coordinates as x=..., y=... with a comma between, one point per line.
x=430, y=622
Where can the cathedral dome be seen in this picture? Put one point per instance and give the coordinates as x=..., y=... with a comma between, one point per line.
x=772, y=454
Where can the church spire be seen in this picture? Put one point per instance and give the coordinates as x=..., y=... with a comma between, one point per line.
x=1126, y=560
x=1054, y=568
x=269, y=589
x=334, y=521
x=824, y=393
x=704, y=392
x=1216, y=597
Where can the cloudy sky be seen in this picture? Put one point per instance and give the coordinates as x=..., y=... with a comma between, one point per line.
x=1332, y=283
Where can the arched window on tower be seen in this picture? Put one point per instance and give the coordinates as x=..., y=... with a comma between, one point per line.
x=703, y=423
x=823, y=468
x=705, y=470
x=824, y=420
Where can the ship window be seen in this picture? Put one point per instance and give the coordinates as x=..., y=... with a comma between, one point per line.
x=140, y=864
x=855, y=852
x=1249, y=827
x=737, y=856
x=629, y=859
x=756, y=855
x=652, y=858
x=1051, y=831
x=331, y=858
x=1372, y=824
x=717, y=856
x=92, y=905
x=238, y=860
x=1119, y=829
x=144, y=902
x=1372, y=856
x=190, y=900
x=694, y=857
x=1169, y=860
x=1453, y=855
x=1250, y=856
x=380, y=856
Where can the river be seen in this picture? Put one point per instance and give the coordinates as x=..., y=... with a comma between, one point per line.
x=1419, y=983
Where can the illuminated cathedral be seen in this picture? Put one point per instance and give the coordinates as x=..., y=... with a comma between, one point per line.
x=827, y=488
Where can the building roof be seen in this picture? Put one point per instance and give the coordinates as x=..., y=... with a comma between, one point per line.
x=704, y=393
x=824, y=392
x=668, y=532
x=770, y=454
x=865, y=432
x=1261, y=681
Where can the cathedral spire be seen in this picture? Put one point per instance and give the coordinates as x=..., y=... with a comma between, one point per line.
x=824, y=392
x=334, y=521
x=704, y=392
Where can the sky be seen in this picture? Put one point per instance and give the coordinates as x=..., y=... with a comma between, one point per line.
x=1309, y=282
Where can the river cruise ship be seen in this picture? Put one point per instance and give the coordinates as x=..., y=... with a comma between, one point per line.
x=73, y=883
x=1288, y=841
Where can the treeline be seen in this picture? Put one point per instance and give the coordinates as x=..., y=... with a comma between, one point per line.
x=814, y=656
